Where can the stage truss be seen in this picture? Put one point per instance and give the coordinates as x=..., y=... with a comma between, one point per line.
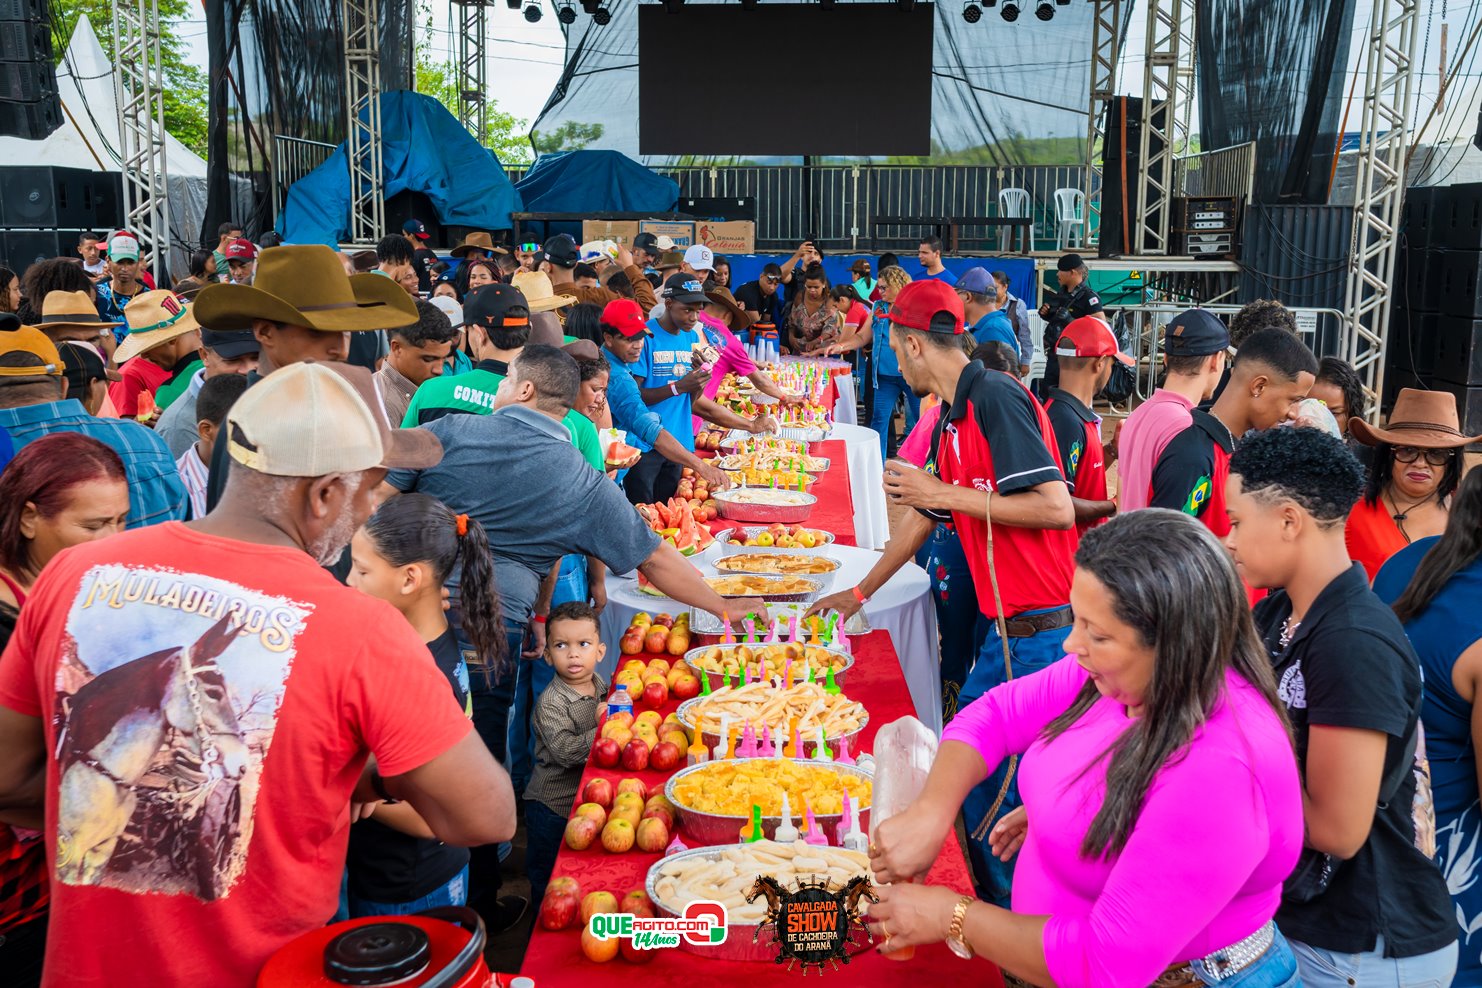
x=471, y=22
x=363, y=120
x=139, y=80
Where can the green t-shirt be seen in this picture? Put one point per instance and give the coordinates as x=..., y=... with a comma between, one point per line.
x=176, y=386
x=474, y=392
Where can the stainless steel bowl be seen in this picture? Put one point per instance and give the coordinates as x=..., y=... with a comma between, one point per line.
x=736, y=461
x=738, y=562
x=739, y=945
x=803, y=597
x=718, y=828
x=810, y=743
x=731, y=544
x=794, y=513
x=717, y=679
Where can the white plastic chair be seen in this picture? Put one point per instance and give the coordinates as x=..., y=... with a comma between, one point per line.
x=1070, y=219
x=1013, y=204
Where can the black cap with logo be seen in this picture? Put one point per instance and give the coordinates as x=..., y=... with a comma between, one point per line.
x=561, y=251
x=496, y=306
x=684, y=288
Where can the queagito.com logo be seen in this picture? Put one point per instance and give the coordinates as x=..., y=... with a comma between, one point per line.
x=703, y=924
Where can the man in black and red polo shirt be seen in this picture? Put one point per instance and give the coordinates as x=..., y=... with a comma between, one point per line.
x=1272, y=373
x=992, y=453
x=1086, y=351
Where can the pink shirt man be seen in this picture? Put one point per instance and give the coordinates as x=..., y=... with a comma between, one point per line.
x=1148, y=430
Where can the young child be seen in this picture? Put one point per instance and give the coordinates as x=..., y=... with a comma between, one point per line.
x=216, y=398
x=403, y=555
x=565, y=727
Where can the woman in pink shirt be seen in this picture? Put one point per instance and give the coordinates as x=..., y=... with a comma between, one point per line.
x=1160, y=789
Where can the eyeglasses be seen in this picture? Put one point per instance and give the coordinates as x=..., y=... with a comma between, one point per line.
x=1435, y=457
x=529, y=248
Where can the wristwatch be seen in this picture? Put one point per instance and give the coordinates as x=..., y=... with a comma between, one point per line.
x=955, y=942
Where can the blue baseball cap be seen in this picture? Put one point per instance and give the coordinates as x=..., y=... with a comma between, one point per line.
x=978, y=281
x=415, y=228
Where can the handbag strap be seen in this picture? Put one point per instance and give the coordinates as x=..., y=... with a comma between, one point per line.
x=981, y=830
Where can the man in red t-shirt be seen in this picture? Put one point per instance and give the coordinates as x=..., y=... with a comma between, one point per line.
x=992, y=454
x=1085, y=350
x=162, y=337
x=188, y=710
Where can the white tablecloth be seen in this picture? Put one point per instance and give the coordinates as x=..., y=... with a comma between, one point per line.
x=845, y=411
x=902, y=607
x=871, y=524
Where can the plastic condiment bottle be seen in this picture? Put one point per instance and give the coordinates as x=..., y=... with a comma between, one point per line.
x=619, y=702
x=820, y=749
x=675, y=846
x=786, y=831
x=731, y=744
x=748, y=742
x=697, y=752
x=842, y=756
x=842, y=829
x=727, y=636
x=725, y=730
x=855, y=839
x=766, y=749
x=814, y=834
x=829, y=686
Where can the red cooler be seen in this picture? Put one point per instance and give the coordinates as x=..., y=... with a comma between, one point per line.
x=439, y=948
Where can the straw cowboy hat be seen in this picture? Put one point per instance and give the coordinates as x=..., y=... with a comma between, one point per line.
x=1424, y=419
x=478, y=240
x=306, y=285
x=74, y=314
x=153, y=318
x=722, y=297
x=540, y=296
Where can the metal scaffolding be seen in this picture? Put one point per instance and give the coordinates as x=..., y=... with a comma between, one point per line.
x=363, y=124
x=1167, y=98
x=1106, y=40
x=1380, y=185
x=139, y=80
x=473, y=103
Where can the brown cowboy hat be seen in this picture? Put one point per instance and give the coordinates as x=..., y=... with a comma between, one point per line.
x=722, y=296
x=1424, y=419
x=72, y=312
x=306, y=285
x=477, y=240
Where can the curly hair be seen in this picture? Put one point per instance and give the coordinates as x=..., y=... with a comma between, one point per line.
x=1307, y=466
x=894, y=277
x=1263, y=313
x=1341, y=375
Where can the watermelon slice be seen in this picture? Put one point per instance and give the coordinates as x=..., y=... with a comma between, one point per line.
x=620, y=456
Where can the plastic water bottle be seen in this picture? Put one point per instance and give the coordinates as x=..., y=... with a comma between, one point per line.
x=619, y=702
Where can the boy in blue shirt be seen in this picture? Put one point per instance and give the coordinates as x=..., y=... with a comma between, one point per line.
x=669, y=373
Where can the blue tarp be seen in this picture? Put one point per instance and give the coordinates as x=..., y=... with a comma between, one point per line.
x=595, y=182
x=424, y=149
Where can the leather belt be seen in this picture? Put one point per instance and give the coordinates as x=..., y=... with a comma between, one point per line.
x=1029, y=625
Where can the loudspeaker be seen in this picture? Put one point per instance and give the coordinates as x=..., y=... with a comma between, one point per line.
x=1457, y=216
x=1468, y=404
x=1461, y=276
x=1412, y=340
x=22, y=248
x=1418, y=278
x=1120, y=164
x=1417, y=216
x=39, y=196
x=29, y=107
x=723, y=209
x=410, y=205
x=1459, y=350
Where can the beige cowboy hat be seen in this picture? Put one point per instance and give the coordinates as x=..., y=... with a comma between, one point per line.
x=1424, y=419
x=538, y=292
x=478, y=240
x=722, y=297
x=306, y=285
x=153, y=318
x=71, y=311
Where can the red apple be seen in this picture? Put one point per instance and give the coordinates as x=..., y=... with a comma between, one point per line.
x=567, y=884
x=597, y=902
x=635, y=756
x=665, y=757
x=652, y=837
x=658, y=813
x=638, y=903
x=581, y=831
x=618, y=836
x=685, y=687
x=600, y=951
x=594, y=811
x=657, y=789
x=558, y=910
x=655, y=694
x=607, y=752
x=598, y=791
x=667, y=620
x=634, y=786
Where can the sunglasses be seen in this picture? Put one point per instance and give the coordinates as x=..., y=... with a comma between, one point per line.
x=1435, y=457
x=770, y=279
x=528, y=248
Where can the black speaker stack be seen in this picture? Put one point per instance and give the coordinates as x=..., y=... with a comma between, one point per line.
x=1121, y=163
x=1435, y=338
x=29, y=105
x=44, y=210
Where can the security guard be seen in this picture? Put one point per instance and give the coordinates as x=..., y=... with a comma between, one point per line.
x=1075, y=299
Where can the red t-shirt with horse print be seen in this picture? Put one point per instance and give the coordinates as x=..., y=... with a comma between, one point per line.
x=209, y=706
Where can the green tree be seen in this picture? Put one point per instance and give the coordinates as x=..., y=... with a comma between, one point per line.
x=570, y=136
x=185, y=93
x=504, y=133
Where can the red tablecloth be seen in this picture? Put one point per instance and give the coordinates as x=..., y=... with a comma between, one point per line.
x=834, y=511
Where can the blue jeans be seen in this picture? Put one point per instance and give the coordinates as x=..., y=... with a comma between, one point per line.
x=1371, y=969
x=995, y=878
x=1276, y=968
x=889, y=389
x=454, y=893
x=961, y=624
x=544, y=831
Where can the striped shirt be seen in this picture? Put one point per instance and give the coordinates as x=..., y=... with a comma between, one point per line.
x=565, y=723
x=155, y=491
x=194, y=474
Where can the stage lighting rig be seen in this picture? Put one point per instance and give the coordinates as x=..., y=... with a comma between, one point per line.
x=532, y=11
x=1009, y=11
x=1044, y=10
x=566, y=14
x=514, y=4
x=602, y=17
x=971, y=12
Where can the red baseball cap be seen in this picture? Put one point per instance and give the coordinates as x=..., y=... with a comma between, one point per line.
x=624, y=316
x=1088, y=337
x=240, y=249
x=921, y=305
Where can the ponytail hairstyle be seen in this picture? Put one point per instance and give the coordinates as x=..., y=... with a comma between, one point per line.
x=418, y=528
